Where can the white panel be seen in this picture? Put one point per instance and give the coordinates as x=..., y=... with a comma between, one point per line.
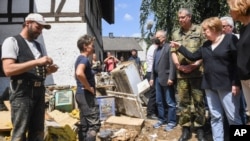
x=3, y=6
x=142, y=54
x=17, y=20
x=42, y=5
x=20, y=6
x=60, y=42
x=69, y=6
x=3, y=19
x=70, y=19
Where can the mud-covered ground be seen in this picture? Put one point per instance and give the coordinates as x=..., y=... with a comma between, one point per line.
x=148, y=133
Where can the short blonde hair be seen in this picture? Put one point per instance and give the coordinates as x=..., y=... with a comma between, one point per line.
x=213, y=23
x=242, y=7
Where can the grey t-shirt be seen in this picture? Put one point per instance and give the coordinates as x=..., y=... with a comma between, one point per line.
x=10, y=48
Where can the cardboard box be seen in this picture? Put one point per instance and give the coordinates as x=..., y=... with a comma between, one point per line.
x=106, y=106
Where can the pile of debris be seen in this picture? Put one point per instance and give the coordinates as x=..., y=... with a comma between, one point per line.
x=119, y=93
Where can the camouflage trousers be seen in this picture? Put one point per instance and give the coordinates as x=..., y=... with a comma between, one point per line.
x=191, y=102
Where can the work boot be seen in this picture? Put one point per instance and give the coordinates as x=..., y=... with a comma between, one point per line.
x=91, y=135
x=200, y=134
x=105, y=135
x=186, y=134
x=153, y=117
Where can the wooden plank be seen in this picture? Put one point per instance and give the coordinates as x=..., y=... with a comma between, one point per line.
x=63, y=118
x=5, y=122
x=124, y=122
x=7, y=104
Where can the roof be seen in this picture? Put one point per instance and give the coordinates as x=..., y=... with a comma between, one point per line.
x=108, y=10
x=121, y=44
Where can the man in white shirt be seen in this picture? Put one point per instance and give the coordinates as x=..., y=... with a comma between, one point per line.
x=151, y=106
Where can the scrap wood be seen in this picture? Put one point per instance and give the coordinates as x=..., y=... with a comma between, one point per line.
x=7, y=104
x=63, y=118
x=5, y=122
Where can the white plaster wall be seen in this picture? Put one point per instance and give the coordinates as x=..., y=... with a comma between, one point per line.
x=61, y=44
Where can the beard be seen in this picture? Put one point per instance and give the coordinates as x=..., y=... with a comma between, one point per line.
x=32, y=34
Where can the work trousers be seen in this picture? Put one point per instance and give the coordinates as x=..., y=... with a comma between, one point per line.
x=151, y=105
x=89, y=116
x=27, y=111
x=191, y=97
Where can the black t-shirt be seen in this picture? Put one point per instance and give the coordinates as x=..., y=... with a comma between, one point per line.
x=88, y=72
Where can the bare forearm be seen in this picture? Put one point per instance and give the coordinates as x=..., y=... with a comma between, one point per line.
x=84, y=81
x=18, y=68
x=198, y=62
x=175, y=59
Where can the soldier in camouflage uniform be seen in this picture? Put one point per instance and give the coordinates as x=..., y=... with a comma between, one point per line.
x=189, y=77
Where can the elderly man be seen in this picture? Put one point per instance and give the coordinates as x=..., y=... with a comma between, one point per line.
x=227, y=24
x=163, y=78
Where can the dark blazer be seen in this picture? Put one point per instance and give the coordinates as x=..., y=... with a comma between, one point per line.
x=220, y=69
x=243, y=49
x=166, y=68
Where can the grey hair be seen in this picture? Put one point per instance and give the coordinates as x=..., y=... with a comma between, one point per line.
x=162, y=32
x=229, y=20
x=188, y=11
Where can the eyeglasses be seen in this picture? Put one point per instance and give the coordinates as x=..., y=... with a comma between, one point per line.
x=223, y=26
x=182, y=17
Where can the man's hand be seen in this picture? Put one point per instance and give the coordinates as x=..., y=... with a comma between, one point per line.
x=151, y=82
x=187, y=68
x=235, y=90
x=52, y=68
x=45, y=60
x=175, y=44
x=170, y=82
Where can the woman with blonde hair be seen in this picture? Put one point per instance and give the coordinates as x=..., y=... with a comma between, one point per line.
x=220, y=75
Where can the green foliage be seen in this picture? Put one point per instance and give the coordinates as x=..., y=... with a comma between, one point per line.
x=165, y=13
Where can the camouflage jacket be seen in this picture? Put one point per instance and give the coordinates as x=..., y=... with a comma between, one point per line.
x=192, y=40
